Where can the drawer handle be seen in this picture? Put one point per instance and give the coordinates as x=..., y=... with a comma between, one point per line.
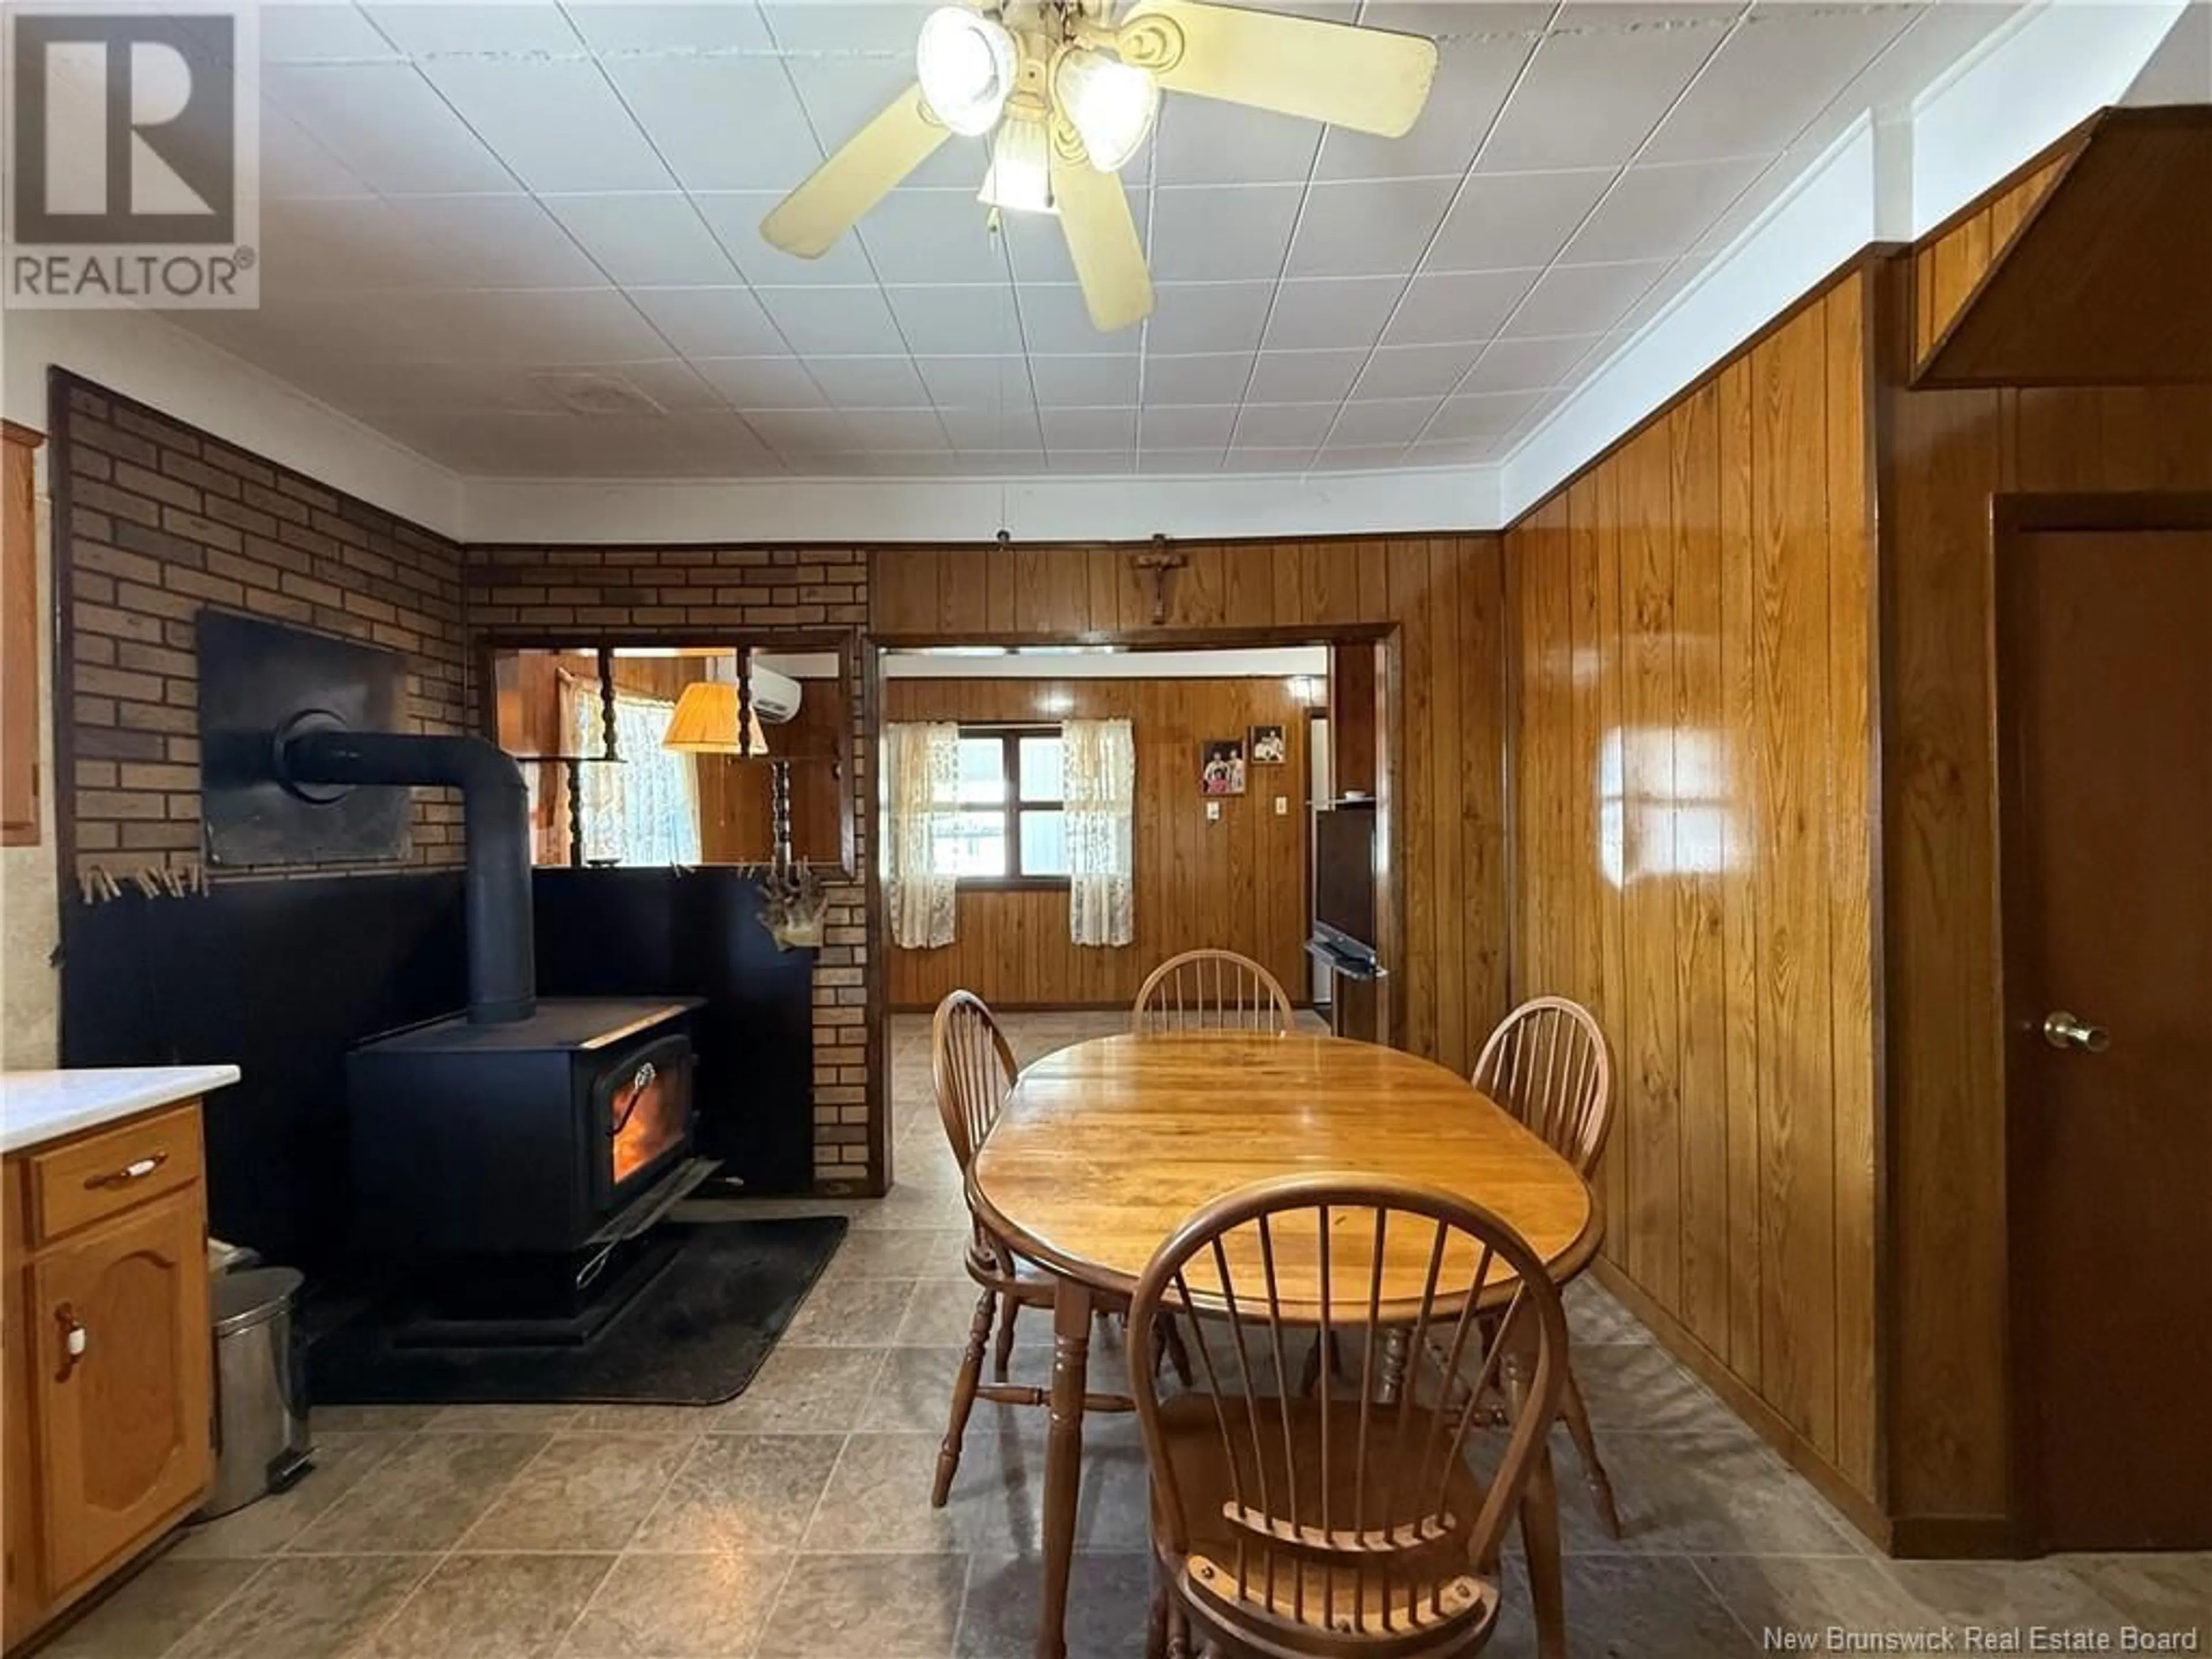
x=76, y=1339
x=136, y=1170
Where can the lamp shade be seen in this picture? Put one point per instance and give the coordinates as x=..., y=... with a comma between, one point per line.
x=1111, y=104
x=967, y=66
x=1020, y=174
x=706, y=722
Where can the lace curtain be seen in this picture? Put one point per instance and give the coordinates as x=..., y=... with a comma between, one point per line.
x=1099, y=793
x=922, y=770
x=644, y=809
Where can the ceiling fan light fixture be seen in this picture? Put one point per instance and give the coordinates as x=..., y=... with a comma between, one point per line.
x=968, y=65
x=1112, y=104
x=1019, y=178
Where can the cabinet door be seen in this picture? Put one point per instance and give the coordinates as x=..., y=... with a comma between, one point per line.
x=124, y=1424
x=20, y=1603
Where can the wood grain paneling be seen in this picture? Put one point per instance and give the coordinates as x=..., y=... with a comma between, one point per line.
x=1949, y=266
x=1946, y=455
x=1691, y=758
x=1239, y=882
x=1436, y=600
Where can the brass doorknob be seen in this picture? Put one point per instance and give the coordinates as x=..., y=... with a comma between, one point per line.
x=2063, y=1030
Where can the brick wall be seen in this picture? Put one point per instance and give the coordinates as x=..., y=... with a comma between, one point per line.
x=807, y=593
x=154, y=521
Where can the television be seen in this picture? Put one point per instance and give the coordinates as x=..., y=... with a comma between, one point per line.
x=1343, y=878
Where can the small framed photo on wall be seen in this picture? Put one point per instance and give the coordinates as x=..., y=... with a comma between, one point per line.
x=1221, y=767
x=1270, y=746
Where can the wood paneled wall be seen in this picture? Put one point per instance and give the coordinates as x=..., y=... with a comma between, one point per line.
x=1693, y=766
x=1946, y=454
x=1437, y=598
x=1949, y=266
x=1239, y=882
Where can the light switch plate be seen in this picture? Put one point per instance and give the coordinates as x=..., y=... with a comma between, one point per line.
x=1213, y=811
x=1282, y=807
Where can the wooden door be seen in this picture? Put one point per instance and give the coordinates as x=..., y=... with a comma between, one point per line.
x=21, y=623
x=2106, y=690
x=125, y=1426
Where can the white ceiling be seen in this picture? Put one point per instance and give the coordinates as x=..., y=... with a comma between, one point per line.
x=471, y=213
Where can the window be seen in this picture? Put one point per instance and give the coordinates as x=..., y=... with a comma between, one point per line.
x=645, y=809
x=1004, y=823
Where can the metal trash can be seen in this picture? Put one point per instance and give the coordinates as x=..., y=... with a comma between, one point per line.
x=262, y=1442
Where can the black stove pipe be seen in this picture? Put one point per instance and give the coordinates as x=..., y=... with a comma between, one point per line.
x=495, y=817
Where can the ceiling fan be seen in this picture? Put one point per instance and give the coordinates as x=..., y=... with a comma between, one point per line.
x=1067, y=99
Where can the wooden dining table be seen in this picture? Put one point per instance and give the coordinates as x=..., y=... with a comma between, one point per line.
x=1104, y=1149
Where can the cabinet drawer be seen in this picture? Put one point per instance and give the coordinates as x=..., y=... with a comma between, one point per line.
x=108, y=1173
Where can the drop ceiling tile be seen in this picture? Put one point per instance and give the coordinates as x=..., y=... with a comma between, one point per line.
x=1505, y=220
x=761, y=382
x=932, y=236
x=1288, y=458
x=711, y=322
x=642, y=241
x=676, y=386
x=1775, y=74
x=686, y=107
x=869, y=382
x=1179, y=460
x=1037, y=249
x=976, y=383
x=1204, y=141
x=842, y=92
x=1936, y=39
x=517, y=26
x=1275, y=426
x=1656, y=212
x=1088, y=428
x=967, y=318
x=1203, y=317
x=802, y=431
x=312, y=247
x=1011, y=426
x=1534, y=365
x=1220, y=232
x=1455, y=451
x=324, y=33
x=897, y=429
x=545, y=328
x=1384, y=421
x=1583, y=299
x=557, y=125
x=1054, y=321
x=1590, y=98
x=1415, y=371
x=735, y=217
x=1479, y=414
x=384, y=124
x=1482, y=47
x=1451, y=308
x=1358, y=458
x=1198, y=426
x=1331, y=311
x=1092, y=463
x=1002, y=462
x=1368, y=226
x=1084, y=382
x=1199, y=379
x=1298, y=377
x=870, y=27
x=295, y=166
x=494, y=241
x=735, y=25
x=1679, y=275
x=833, y=321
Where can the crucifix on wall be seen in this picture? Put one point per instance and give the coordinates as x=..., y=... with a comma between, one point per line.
x=1158, y=568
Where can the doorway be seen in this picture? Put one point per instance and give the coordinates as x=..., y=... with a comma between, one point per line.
x=2104, y=730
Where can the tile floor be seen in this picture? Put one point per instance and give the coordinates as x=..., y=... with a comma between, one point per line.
x=793, y=1522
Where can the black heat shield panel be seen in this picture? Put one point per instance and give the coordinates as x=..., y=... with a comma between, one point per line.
x=258, y=678
x=655, y=933
x=279, y=978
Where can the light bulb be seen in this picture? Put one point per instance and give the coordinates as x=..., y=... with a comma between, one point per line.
x=1020, y=174
x=1112, y=104
x=966, y=64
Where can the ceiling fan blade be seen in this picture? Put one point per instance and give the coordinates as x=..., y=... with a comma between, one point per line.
x=1375, y=80
x=855, y=177
x=1102, y=240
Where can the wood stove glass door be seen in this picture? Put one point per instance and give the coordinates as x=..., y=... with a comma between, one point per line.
x=648, y=1110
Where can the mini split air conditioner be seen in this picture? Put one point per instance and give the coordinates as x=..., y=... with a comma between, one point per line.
x=775, y=696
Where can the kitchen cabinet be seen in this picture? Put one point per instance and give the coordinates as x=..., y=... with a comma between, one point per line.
x=22, y=625
x=106, y=1358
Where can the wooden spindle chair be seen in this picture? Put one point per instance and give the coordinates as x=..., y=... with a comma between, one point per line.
x=1211, y=991
x=1547, y=1064
x=972, y=1066
x=1339, y=1525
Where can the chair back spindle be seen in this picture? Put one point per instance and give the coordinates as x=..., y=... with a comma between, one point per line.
x=972, y=1065
x=1547, y=1064
x=1211, y=991
x=1350, y=1520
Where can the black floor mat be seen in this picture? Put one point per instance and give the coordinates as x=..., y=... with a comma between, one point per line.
x=693, y=1337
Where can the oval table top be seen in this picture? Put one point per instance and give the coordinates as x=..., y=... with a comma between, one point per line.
x=1104, y=1149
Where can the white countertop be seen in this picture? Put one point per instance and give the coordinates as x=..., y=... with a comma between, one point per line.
x=41, y=1106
